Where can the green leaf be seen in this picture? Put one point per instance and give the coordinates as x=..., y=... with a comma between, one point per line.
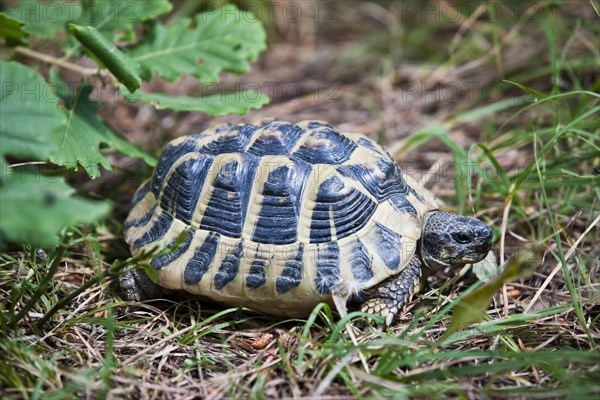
x=44, y=19
x=218, y=104
x=121, y=66
x=80, y=139
x=224, y=39
x=526, y=89
x=5, y=170
x=114, y=18
x=35, y=208
x=487, y=268
x=472, y=307
x=10, y=29
x=29, y=113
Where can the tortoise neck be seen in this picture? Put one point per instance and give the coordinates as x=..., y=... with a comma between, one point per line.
x=430, y=263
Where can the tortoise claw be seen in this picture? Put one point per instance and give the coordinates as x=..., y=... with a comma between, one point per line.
x=390, y=296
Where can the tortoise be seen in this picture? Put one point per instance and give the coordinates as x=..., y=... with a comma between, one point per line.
x=281, y=216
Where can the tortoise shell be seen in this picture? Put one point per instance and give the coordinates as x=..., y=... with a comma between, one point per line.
x=278, y=214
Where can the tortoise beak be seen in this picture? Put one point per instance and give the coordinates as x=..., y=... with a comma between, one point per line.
x=483, y=243
x=474, y=257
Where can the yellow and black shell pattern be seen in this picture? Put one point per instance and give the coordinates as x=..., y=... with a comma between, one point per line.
x=278, y=214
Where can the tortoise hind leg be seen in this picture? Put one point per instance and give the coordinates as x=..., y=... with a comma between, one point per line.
x=137, y=286
x=388, y=297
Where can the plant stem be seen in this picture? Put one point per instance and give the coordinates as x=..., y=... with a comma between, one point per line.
x=42, y=286
x=112, y=271
x=57, y=61
x=67, y=299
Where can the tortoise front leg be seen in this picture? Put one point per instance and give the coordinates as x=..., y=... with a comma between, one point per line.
x=388, y=297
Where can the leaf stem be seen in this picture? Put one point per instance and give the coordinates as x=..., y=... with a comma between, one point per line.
x=59, y=62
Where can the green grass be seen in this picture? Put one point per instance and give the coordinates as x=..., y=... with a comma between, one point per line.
x=531, y=157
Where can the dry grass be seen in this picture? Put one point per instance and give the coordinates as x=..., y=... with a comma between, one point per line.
x=375, y=70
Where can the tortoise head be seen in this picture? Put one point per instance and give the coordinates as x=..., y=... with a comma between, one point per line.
x=453, y=240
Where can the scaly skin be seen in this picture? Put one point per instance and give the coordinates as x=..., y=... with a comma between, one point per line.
x=390, y=296
x=137, y=286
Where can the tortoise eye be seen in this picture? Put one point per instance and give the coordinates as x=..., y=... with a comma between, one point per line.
x=461, y=237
